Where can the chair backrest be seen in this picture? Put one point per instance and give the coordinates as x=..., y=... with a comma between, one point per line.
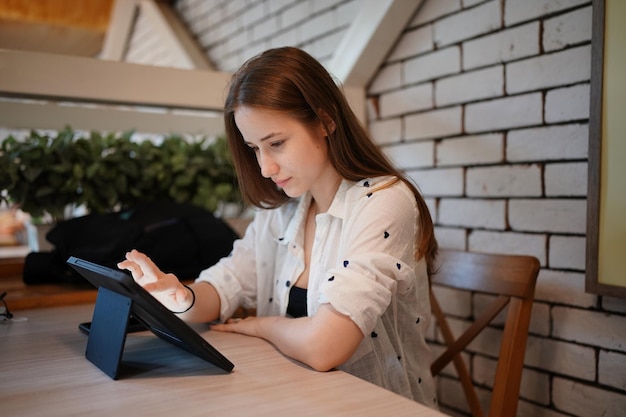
x=511, y=278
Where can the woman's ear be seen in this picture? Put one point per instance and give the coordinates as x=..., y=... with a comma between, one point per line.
x=328, y=124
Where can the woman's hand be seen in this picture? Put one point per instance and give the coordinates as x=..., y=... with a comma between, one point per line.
x=248, y=326
x=164, y=287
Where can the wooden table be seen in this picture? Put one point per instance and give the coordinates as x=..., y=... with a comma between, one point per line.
x=43, y=371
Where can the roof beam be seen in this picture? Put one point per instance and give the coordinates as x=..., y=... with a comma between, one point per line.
x=369, y=39
x=59, y=77
x=119, y=30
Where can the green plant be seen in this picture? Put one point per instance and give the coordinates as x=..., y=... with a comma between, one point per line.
x=47, y=173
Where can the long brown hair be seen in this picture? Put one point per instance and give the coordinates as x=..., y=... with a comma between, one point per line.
x=292, y=81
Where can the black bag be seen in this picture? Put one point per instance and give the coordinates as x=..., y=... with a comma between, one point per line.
x=180, y=238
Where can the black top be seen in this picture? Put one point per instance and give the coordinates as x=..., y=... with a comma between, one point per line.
x=297, y=302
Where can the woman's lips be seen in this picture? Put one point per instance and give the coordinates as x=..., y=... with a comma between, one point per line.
x=282, y=183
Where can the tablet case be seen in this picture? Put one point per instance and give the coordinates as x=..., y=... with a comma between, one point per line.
x=119, y=296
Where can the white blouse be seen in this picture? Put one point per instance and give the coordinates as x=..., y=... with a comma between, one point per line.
x=362, y=263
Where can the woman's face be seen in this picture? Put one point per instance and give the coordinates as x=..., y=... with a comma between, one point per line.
x=292, y=154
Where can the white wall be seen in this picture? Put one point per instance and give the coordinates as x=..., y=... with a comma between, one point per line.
x=485, y=103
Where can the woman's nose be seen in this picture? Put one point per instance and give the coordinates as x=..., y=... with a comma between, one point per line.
x=268, y=166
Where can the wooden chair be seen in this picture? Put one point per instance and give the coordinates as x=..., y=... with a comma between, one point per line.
x=511, y=278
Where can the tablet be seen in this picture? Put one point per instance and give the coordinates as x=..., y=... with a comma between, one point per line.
x=149, y=311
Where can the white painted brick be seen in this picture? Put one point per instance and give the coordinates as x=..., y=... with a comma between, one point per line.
x=488, y=214
x=565, y=104
x=450, y=237
x=451, y=394
x=275, y=6
x=548, y=143
x=504, y=181
x=470, y=86
x=482, y=302
x=614, y=304
x=612, y=369
x=566, y=179
x=454, y=302
x=592, y=328
x=433, y=65
x=388, y=78
x=238, y=41
x=326, y=45
x=561, y=357
x=567, y=29
x=540, y=319
x=563, y=288
x=264, y=28
x=516, y=11
x=230, y=25
x=567, y=252
x=318, y=25
x=322, y=5
x=294, y=15
x=508, y=243
x=487, y=342
x=411, y=155
x=386, y=131
x=502, y=46
x=346, y=13
x=470, y=150
x=433, y=9
x=535, y=386
x=484, y=370
x=527, y=409
x=433, y=124
x=504, y=113
x=234, y=7
x=584, y=400
x=284, y=38
x=252, y=14
x=548, y=215
x=408, y=100
x=467, y=24
x=255, y=49
x=413, y=43
x=560, y=68
x=439, y=182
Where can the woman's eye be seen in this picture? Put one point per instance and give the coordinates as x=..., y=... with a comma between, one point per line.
x=276, y=144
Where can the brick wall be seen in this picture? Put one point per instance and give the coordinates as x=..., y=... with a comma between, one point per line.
x=230, y=31
x=485, y=103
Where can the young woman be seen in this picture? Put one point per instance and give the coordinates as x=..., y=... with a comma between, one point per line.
x=336, y=260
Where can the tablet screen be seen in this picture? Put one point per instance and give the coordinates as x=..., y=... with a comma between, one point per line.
x=149, y=311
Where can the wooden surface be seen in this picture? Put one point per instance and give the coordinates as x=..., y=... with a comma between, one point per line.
x=43, y=371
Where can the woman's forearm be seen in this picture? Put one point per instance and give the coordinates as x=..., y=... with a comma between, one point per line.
x=206, y=305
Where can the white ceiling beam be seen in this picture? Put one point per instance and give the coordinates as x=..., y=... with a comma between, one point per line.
x=53, y=116
x=58, y=77
x=372, y=34
x=119, y=29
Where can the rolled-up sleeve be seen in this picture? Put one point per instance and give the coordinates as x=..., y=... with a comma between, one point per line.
x=234, y=277
x=376, y=256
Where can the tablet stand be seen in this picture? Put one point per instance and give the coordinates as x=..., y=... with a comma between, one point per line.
x=108, y=331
